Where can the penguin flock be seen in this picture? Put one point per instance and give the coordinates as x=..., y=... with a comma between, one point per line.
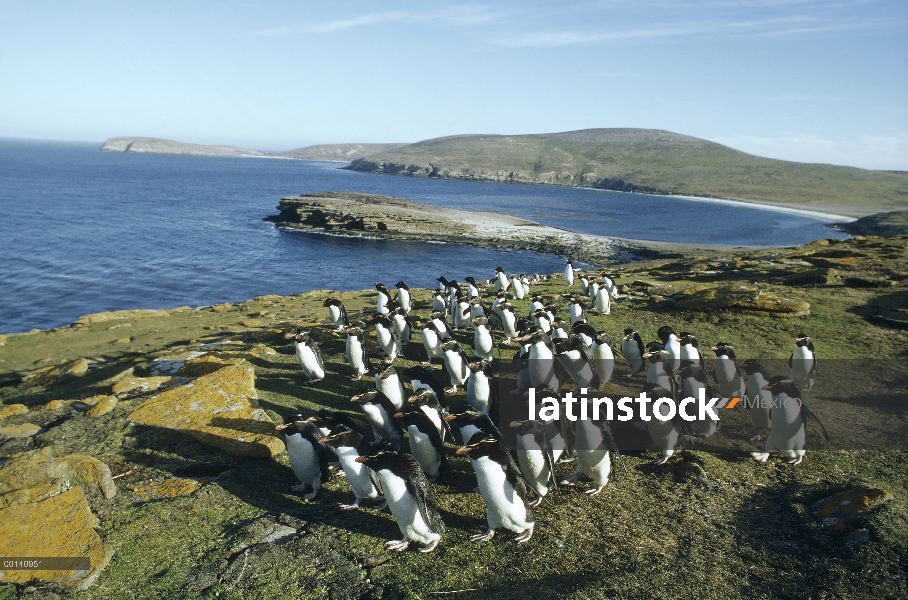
x=393, y=453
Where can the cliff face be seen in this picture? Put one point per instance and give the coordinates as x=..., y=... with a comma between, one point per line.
x=161, y=146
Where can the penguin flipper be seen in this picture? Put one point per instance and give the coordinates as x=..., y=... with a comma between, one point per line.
x=518, y=481
x=319, y=357
x=809, y=413
x=343, y=314
x=418, y=486
x=494, y=320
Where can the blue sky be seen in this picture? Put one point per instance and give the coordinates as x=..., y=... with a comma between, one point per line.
x=799, y=80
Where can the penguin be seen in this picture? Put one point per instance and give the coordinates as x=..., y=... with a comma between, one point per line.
x=671, y=345
x=441, y=324
x=508, y=321
x=534, y=457
x=482, y=389
x=401, y=325
x=379, y=411
x=558, y=431
x=502, y=487
x=609, y=285
x=422, y=378
x=364, y=483
x=559, y=330
x=483, y=344
x=585, y=332
x=632, y=349
x=525, y=282
x=357, y=352
x=310, y=356
x=431, y=341
x=337, y=314
x=789, y=422
x=572, y=355
x=501, y=280
x=667, y=435
x=576, y=311
x=426, y=400
x=517, y=289
x=328, y=420
x=543, y=320
x=410, y=499
x=439, y=302
x=691, y=379
x=569, y=273
x=803, y=362
x=536, y=304
x=462, y=312
x=758, y=399
x=456, y=363
x=659, y=366
x=472, y=288
x=690, y=348
x=383, y=297
x=602, y=302
x=388, y=382
x=403, y=296
x=592, y=443
x=442, y=284
x=308, y=458
x=426, y=444
x=728, y=375
x=386, y=336
x=603, y=357
x=454, y=295
x=584, y=285
x=467, y=424
x=476, y=308
x=541, y=360
x=593, y=289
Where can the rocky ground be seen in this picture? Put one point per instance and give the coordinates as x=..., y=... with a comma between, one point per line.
x=145, y=440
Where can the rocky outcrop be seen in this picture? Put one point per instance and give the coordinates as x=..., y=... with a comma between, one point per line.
x=395, y=218
x=219, y=409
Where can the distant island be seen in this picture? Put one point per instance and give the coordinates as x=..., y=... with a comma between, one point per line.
x=328, y=152
x=628, y=160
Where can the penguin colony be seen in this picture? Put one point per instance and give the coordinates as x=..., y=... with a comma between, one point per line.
x=395, y=451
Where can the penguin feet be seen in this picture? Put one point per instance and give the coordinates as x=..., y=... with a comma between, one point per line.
x=525, y=536
x=755, y=437
x=357, y=378
x=536, y=502
x=381, y=506
x=397, y=545
x=660, y=461
x=312, y=381
x=593, y=491
x=485, y=537
x=426, y=362
x=760, y=457
x=795, y=461
x=570, y=479
x=451, y=390
x=310, y=495
x=428, y=547
x=354, y=506
x=298, y=488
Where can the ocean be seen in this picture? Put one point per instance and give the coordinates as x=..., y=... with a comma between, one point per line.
x=86, y=231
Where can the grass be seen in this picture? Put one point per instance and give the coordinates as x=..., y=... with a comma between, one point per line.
x=642, y=160
x=707, y=525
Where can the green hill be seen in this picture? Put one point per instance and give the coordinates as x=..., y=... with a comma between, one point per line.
x=643, y=160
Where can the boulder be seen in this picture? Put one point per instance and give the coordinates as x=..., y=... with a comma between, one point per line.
x=11, y=410
x=819, y=276
x=206, y=364
x=48, y=375
x=102, y=407
x=19, y=431
x=219, y=409
x=83, y=470
x=27, y=470
x=67, y=529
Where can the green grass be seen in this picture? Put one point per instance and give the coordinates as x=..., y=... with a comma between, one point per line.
x=642, y=160
x=707, y=525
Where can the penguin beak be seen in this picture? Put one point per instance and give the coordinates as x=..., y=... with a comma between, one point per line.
x=462, y=450
x=412, y=399
x=398, y=415
x=715, y=348
x=281, y=427
x=766, y=387
x=449, y=418
x=323, y=441
x=516, y=424
x=361, y=459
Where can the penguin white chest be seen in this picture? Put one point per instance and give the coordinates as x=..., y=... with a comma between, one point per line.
x=532, y=463
x=593, y=458
x=504, y=508
x=404, y=509
x=303, y=458
x=423, y=451
x=357, y=473
x=479, y=392
x=309, y=362
x=334, y=314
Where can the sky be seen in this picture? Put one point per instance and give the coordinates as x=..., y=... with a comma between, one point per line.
x=798, y=80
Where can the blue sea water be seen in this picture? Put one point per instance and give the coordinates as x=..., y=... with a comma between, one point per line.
x=85, y=231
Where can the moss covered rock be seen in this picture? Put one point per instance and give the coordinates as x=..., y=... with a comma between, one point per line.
x=48, y=375
x=743, y=299
x=11, y=410
x=219, y=409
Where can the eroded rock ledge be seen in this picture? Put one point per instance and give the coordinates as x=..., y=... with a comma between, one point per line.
x=368, y=215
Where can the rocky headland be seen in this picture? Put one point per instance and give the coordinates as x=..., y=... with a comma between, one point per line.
x=327, y=152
